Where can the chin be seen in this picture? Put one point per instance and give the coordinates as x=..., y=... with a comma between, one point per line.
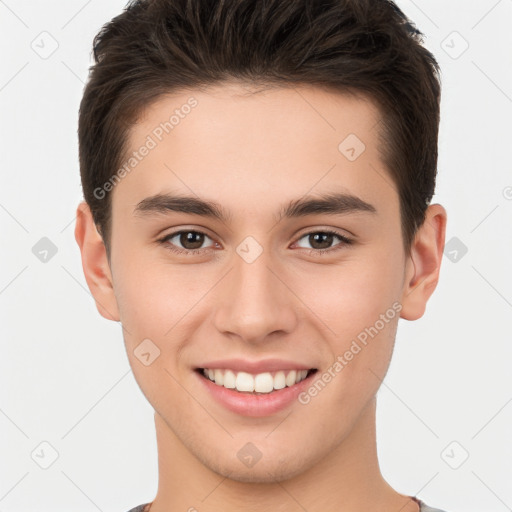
x=263, y=472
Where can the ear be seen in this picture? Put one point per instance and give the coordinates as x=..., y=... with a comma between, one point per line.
x=95, y=263
x=424, y=263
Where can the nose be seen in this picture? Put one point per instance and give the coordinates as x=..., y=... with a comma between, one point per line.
x=255, y=301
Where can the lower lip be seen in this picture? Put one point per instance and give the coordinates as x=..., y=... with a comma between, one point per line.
x=255, y=405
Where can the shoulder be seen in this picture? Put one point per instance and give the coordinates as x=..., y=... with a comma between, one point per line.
x=140, y=508
x=425, y=508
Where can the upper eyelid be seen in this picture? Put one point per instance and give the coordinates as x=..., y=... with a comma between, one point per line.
x=334, y=231
x=298, y=237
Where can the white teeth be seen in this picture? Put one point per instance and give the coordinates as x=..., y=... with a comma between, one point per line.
x=244, y=382
x=260, y=383
x=219, y=377
x=229, y=379
x=279, y=380
x=263, y=383
x=290, y=378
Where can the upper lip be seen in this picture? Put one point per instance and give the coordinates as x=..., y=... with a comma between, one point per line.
x=255, y=367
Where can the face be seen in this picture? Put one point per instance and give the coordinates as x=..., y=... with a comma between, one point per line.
x=264, y=281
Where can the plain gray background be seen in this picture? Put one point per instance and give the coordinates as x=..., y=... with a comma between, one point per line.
x=68, y=399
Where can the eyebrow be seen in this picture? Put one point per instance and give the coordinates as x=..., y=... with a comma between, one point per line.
x=330, y=204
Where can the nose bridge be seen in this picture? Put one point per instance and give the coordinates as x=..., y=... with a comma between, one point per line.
x=254, y=302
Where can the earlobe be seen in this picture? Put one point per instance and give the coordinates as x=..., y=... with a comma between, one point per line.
x=424, y=263
x=95, y=263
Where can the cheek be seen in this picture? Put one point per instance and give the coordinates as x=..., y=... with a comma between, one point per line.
x=353, y=294
x=153, y=303
x=362, y=316
x=356, y=305
x=149, y=292
x=161, y=303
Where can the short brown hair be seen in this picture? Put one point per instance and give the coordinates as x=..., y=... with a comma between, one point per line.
x=365, y=47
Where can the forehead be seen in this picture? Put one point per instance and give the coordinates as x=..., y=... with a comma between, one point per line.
x=230, y=143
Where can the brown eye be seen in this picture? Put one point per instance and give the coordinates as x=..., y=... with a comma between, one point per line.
x=185, y=241
x=321, y=241
x=191, y=239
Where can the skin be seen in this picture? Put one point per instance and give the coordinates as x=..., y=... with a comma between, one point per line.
x=252, y=154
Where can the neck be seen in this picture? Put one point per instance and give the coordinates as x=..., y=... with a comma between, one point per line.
x=348, y=479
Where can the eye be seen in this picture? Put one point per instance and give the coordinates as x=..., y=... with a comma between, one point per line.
x=190, y=240
x=322, y=240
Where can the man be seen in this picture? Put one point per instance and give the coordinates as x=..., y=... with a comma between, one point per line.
x=257, y=179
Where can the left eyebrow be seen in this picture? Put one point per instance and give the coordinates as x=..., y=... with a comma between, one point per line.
x=330, y=204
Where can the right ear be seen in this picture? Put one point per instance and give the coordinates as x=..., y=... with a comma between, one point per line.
x=95, y=263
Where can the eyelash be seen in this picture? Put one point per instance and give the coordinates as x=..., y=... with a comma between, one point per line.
x=312, y=252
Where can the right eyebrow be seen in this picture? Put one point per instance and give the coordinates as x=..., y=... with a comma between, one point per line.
x=165, y=203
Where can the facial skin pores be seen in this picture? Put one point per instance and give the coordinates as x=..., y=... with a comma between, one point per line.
x=219, y=261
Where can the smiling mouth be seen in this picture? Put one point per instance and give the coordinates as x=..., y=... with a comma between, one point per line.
x=266, y=382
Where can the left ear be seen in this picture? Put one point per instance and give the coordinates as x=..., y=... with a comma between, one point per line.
x=424, y=263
